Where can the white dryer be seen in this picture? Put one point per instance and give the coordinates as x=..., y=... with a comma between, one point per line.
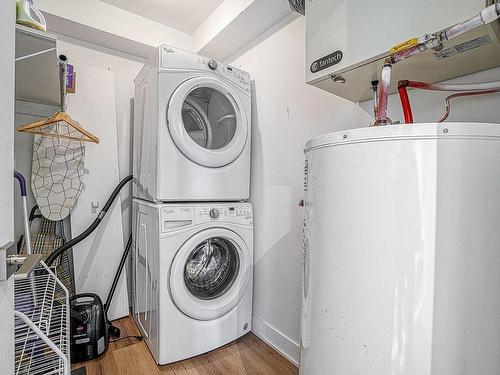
x=192, y=276
x=192, y=121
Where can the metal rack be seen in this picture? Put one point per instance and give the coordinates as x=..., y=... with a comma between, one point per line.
x=41, y=324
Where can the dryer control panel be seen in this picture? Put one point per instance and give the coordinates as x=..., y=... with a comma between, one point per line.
x=176, y=59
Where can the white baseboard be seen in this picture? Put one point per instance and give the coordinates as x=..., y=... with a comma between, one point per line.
x=282, y=343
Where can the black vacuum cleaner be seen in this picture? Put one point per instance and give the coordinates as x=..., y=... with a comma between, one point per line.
x=91, y=329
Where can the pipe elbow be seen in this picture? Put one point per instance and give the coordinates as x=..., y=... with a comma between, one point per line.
x=403, y=83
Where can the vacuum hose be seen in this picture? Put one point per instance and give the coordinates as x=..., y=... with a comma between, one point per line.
x=68, y=245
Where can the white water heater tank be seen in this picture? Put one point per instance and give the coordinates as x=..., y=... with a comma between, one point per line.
x=402, y=251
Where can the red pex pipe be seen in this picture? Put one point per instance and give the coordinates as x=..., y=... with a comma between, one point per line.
x=405, y=102
x=447, y=107
x=462, y=89
x=453, y=87
x=418, y=85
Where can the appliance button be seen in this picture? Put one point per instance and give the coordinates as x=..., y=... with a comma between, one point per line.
x=212, y=64
x=214, y=213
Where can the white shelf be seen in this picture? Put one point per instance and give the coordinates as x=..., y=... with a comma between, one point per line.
x=37, y=76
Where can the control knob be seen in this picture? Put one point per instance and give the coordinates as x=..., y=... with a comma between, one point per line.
x=214, y=213
x=212, y=64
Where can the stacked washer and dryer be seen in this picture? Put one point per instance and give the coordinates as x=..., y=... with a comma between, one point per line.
x=192, y=224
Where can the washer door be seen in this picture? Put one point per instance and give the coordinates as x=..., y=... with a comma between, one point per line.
x=210, y=273
x=207, y=121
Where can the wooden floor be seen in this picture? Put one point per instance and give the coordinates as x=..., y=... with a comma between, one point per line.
x=248, y=355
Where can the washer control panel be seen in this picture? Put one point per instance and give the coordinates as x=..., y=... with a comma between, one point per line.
x=233, y=213
x=175, y=217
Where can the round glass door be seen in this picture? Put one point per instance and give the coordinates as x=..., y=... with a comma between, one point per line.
x=209, y=118
x=210, y=274
x=207, y=121
x=211, y=268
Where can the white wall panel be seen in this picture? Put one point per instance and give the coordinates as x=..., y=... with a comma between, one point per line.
x=97, y=257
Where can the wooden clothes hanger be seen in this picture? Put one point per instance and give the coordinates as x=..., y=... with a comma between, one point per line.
x=36, y=128
x=60, y=116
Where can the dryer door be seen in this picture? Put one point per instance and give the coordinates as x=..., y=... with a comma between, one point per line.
x=210, y=273
x=207, y=121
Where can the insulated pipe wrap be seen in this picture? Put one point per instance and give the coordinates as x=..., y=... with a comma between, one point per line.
x=486, y=16
x=383, y=96
x=491, y=13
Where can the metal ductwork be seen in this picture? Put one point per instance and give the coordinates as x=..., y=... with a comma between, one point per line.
x=298, y=6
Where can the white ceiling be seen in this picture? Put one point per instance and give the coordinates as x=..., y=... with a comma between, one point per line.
x=183, y=15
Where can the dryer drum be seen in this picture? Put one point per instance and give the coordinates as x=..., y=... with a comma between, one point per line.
x=211, y=268
x=209, y=118
x=195, y=122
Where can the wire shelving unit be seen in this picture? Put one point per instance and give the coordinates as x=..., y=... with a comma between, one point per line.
x=41, y=324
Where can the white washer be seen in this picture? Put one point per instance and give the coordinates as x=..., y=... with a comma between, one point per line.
x=192, y=276
x=192, y=120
